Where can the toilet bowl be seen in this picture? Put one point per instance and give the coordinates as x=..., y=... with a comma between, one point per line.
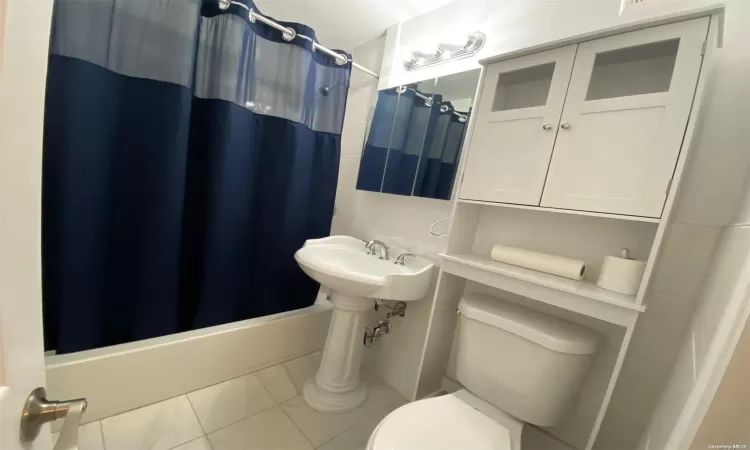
x=460, y=420
x=516, y=365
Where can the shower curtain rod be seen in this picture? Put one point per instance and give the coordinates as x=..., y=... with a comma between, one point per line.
x=289, y=34
x=426, y=98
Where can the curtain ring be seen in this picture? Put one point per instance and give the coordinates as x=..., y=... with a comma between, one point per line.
x=224, y=4
x=251, y=15
x=432, y=232
x=289, y=34
x=401, y=89
x=341, y=60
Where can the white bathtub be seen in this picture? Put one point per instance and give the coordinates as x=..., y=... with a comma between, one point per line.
x=127, y=376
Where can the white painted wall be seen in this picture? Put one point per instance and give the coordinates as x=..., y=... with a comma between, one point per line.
x=722, y=311
x=346, y=24
x=729, y=414
x=723, y=308
x=707, y=203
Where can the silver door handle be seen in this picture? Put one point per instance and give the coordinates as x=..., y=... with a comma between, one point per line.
x=38, y=410
x=565, y=126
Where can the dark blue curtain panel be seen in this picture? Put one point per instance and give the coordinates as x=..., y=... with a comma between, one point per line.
x=188, y=154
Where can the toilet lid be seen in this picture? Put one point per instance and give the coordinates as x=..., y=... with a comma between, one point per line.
x=440, y=423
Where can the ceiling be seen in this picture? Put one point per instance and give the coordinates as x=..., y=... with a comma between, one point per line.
x=346, y=24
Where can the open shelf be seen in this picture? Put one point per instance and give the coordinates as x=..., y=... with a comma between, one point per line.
x=562, y=211
x=583, y=297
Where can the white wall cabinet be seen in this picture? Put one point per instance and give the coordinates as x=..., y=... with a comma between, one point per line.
x=596, y=126
x=629, y=102
x=520, y=111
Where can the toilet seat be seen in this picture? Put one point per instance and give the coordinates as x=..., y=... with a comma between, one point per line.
x=440, y=423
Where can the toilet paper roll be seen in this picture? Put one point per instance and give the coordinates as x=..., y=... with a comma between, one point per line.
x=541, y=262
x=621, y=275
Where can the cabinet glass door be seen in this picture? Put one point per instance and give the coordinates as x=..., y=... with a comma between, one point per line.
x=624, y=120
x=516, y=125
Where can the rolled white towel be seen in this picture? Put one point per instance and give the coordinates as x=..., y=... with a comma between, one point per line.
x=541, y=262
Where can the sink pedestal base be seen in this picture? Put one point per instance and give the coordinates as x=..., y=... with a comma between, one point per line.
x=336, y=388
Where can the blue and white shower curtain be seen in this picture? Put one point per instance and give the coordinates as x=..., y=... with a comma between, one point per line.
x=188, y=153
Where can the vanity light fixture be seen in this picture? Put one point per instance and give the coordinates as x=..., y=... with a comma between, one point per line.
x=447, y=52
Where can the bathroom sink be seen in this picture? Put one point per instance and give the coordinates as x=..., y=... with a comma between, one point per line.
x=342, y=264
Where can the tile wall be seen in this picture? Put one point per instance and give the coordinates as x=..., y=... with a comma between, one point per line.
x=729, y=414
x=396, y=220
x=721, y=286
x=709, y=196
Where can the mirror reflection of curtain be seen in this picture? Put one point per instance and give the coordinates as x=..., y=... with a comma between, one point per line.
x=372, y=165
x=411, y=148
x=413, y=128
x=437, y=168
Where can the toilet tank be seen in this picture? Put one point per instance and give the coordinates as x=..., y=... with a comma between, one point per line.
x=528, y=364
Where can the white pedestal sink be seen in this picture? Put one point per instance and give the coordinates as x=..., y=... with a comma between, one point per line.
x=355, y=278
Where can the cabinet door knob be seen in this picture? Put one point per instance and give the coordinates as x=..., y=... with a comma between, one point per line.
x=546, y=127
x=565, y=126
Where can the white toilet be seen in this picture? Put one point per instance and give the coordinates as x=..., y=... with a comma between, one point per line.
x=516, y=365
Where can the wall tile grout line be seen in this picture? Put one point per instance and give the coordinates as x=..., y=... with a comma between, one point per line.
x=699, y=224
x=281, y=364
x=193, y=440
x=275, y=403
x=240, y=420
x=366, y=416
x=156, y=403
x=296, y=426
x=288, y=375
x=300, y=430
x=101, y=432
x=720, y=227
x=691, y=298
x=205, y=435
x=195, y=413
x=283, y=367
x=264, y=388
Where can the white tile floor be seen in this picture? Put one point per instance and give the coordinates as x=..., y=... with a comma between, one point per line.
x=259, y=411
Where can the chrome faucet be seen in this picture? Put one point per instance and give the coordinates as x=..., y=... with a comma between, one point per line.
x=401, y=257
x=383, y=248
